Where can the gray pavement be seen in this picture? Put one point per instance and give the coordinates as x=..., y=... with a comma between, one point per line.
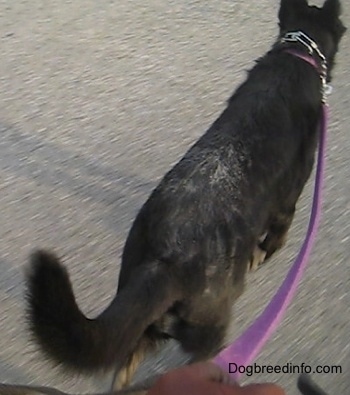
x=98, y=100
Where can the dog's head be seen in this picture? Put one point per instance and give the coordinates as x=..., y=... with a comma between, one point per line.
x=322, y=24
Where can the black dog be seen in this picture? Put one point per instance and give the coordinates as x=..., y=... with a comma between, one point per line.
x=188, y=251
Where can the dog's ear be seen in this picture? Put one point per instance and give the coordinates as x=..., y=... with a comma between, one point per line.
x=289, y=11
x=332, y=8
x=332, y=11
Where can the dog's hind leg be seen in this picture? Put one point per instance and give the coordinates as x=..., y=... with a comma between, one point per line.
x=125, y=375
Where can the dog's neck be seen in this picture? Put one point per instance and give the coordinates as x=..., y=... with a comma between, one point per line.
x=310, y=57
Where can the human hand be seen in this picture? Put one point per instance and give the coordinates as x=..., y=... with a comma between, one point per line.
x=207, y=379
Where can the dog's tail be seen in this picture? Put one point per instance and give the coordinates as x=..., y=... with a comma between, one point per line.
x=69, y=338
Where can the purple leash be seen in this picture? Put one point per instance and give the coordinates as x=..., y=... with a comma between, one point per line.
x=246, y=348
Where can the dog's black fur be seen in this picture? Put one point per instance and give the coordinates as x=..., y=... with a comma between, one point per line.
x=187, y=253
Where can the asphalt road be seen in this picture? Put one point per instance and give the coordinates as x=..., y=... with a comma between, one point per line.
x=98, y=100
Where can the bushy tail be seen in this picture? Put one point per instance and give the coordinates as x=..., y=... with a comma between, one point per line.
x=83, y=344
